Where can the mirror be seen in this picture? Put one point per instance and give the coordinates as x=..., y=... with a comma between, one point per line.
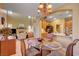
x=61, y=21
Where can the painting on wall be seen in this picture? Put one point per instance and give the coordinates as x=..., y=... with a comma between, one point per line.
x=2, y=22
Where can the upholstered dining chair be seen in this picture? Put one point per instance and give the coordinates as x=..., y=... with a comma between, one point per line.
x=33, y=51
x=69, y=51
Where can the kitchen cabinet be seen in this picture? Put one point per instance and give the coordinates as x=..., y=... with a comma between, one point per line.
x=7, y=47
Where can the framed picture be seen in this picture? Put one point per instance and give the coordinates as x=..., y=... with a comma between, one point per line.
x=2, y=20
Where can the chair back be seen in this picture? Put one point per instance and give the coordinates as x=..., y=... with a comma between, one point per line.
x=69, y=51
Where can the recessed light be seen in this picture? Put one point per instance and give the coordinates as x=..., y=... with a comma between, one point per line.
x=54, y=18
x=10, y=12
x=67, y=12
x=69, y=15
x=50, y=16
x=38, y=10
x=29, y=17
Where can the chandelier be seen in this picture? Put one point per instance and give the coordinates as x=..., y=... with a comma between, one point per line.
x=45, y=9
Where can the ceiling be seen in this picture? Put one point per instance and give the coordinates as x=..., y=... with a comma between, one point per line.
x=30, y=9
x=60, y=15
x=26, y=9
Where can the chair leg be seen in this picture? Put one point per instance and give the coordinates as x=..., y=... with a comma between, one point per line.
x=23, y=48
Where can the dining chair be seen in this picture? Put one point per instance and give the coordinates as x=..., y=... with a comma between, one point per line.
x=23, y=48
x=69, y=51
x=32, y=51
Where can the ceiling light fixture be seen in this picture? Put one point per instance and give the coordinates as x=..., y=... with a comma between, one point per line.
x=10, y=12
x=49, y=6
x=45, y=9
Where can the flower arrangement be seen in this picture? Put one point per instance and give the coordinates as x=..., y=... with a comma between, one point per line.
x=6, y=31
